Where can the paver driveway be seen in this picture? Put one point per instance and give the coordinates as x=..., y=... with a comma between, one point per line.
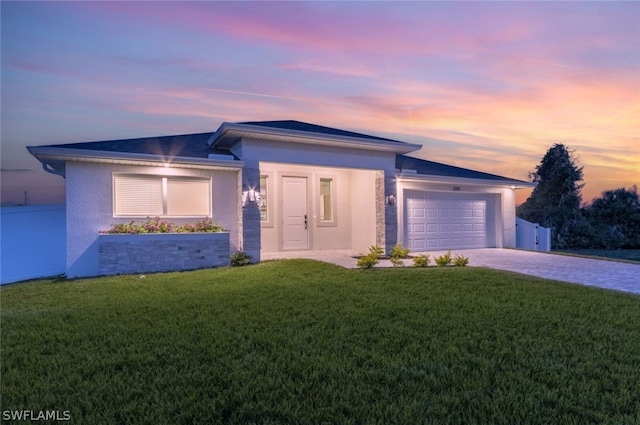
x=585, y=271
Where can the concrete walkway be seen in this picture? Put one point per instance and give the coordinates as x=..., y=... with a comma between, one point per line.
x=585, y=271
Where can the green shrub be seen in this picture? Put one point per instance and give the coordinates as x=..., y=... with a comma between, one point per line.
x=372, y=258
x=201, y=226
x=421, y=260
x=460, y=261
x=240, y=259
x=376, y=250
x=158, y=225
x=444, y=260
x=399, y=251
x=396, y=261
x=397, y=254
x=367, y=261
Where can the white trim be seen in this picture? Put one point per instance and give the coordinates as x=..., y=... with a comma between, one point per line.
x=426, y=178
x=333, y=222
x=56, y=154
x=234, y=132
x=270, y=198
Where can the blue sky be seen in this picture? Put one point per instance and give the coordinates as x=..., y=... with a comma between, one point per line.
x=484, y=85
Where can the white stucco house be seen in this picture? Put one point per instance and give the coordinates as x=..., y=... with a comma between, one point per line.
x=277, y=186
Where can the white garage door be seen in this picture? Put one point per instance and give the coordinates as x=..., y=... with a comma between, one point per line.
x=436, y=221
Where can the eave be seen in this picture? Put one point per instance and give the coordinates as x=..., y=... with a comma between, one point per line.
x=231, y=133
x=53, y=159
x=426, y=178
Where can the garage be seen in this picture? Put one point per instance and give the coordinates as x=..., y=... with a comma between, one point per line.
x=439, y=220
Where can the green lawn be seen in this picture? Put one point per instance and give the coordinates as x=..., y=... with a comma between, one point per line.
x=632, y=255
x=303, y=342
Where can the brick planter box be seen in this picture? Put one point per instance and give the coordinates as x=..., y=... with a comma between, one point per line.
x=162, y=252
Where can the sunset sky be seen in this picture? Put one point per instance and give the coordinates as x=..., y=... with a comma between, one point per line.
x=483, y=85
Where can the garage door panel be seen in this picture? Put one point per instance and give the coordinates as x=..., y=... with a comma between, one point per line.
x=432, y=244
x=437, y=221
x=442, y=242
x=420, y=244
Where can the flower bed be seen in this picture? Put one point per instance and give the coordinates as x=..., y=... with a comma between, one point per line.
x=157, y=225
x=160, y=246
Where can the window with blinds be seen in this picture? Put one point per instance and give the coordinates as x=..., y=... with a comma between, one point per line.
x=141, y=195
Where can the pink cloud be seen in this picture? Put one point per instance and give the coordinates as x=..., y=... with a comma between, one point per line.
x=486, y=78
x=381, y=30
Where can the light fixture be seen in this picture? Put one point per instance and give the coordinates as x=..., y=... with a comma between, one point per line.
x=250, y=195
x=390, y=200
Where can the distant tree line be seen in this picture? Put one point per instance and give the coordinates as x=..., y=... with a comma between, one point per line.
x=611, y=221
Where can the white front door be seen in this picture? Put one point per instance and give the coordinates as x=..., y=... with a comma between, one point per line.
x=295, y=224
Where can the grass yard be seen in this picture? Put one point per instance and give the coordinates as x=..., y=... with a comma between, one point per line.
x=631, y=255
x=303, y=342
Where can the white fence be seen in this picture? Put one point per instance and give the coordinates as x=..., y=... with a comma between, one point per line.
x=532, y=236
x=33, y=242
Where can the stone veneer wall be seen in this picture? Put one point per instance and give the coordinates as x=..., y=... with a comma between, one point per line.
x=380, y=211
x=251, y=232
x=390, y=213
x=162, y=252
x=386, y=214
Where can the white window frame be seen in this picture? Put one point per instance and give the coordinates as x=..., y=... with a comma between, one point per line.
x=165, y=183
x=269, y=198
x=334, y=201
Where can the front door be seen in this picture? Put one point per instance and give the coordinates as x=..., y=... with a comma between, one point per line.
x=295, y=222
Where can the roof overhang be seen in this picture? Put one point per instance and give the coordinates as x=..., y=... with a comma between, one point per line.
x=426, y=178
x=231, y=133
x=53, y=159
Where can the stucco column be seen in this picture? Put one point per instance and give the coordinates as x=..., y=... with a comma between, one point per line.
x=251, y=213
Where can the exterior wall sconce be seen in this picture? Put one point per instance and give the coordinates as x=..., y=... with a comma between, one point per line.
x=250, y=195
x=390, y=200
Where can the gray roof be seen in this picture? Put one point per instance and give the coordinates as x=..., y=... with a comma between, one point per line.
x=430, y=168
x=196, y=146
x=184, y=145
x=313, y=128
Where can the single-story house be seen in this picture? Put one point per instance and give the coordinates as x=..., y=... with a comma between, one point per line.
x=278, y=186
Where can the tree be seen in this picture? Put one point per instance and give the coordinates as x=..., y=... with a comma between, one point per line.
x=555, y=201
x=615, y=219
